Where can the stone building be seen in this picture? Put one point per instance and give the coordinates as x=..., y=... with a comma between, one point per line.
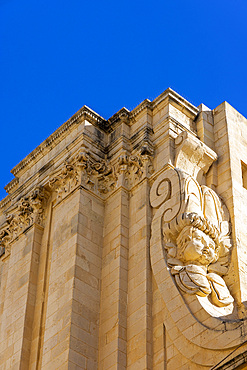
x=123, y=242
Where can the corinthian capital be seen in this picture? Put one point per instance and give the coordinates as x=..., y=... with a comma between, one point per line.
x=29, y=210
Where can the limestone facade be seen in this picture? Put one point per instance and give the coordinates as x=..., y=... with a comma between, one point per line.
x=123, y=243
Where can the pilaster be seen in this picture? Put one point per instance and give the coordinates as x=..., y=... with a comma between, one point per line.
x=113, y=315
x=123, y=242
x=22, y=240
x=139, y=328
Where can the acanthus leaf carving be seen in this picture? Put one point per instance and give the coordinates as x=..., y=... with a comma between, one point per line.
x=29, y=211
x=128, y=169
x=100, y=176
x=65, y=180
x=37, y=198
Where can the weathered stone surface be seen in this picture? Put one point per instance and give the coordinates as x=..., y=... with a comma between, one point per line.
x=123, y=242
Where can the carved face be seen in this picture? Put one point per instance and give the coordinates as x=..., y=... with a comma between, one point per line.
x=201, y=248
x=196, y=246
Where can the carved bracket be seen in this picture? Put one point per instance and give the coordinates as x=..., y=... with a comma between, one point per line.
x=192, y=155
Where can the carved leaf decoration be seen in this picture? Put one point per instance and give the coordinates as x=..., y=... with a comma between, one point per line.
x=210, y=209
x=194, y=201
x=28, y=210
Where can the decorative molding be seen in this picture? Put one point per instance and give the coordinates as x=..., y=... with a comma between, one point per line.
x=178, y=99
x=192, y=155
x=190, y=250
x=29, y=211
x=5, y=201
x=53, y=139
x=233, y=363
x=12, y=186
x=191, y=229
x=173, y=96
x=121, y=116
x=101, y=176
x=146, y=104
x=98, y=121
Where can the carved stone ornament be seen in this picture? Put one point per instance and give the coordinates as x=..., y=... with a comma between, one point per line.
x=195, y=235
x=29, y=210
x=100, y=176
x=192, y=227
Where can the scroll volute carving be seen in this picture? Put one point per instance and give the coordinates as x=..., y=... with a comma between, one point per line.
x=129, y=168
x=100, y=176
x=191, y=228
x=83, y=169
x=29, y=210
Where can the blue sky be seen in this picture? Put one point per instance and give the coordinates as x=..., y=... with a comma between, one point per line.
x=56, y=56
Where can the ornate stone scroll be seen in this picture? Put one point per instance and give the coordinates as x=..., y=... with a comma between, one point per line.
x=100, y=176
x=195, y=235
x=64, y=180
x=192, y=226
x=29, y=210
x=82, y=169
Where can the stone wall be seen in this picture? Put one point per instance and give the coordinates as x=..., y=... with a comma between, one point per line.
x=123, y=242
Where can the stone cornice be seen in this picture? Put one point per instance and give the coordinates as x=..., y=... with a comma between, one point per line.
x=173, y=126
x=123, y=115
x=15, y=190
x=122, y=142
x=178, y=99
x=5, y=201
x=186, y=106
x=54, y=138
x=146, y=104
x=12, y=186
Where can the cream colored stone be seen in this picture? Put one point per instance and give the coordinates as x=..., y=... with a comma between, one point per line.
x=79, y=288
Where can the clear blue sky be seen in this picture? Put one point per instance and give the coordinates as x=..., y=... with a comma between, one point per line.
x=58, y=55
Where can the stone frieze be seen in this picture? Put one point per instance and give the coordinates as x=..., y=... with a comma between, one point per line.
x=29, y=210
x=100, y=176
